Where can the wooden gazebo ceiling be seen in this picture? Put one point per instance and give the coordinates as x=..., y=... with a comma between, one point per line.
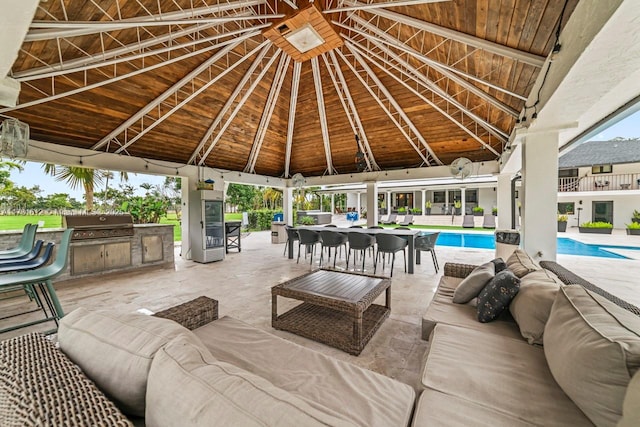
x=421, y=84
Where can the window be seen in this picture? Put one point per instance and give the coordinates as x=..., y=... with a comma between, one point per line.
x=601, y=169
x=404, y=200
x=438, y=197
x=471, y=196
x=566, y=208
x=568, y=173
x=454, y=195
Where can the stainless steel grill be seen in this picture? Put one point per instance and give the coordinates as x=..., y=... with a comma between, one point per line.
x=98, y=226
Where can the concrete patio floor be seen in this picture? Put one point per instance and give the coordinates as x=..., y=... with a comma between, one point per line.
x=242, y=283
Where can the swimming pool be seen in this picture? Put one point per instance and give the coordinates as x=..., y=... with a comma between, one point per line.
x=566, y=246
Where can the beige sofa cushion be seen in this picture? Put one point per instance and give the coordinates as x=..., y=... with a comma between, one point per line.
x=435, y=408
x=503, y=374
x=115, y=351
x=631, y=405
x=189, y=387
x=532, y=304
x=521, y=264
x=365, y=397
x=593, y=350
x=471, y=285
x=443, y=310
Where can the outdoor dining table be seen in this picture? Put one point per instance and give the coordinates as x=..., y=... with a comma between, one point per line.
x=409, y=235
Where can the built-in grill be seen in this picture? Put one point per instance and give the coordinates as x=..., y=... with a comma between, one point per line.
x=98, y=226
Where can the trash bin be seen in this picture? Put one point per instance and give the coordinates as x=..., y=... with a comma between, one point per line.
x=278, y=232
x=507, y=241
x=278, y=217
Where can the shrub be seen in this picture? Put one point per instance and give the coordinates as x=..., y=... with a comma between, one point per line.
x=307, y=220
x=478, y=209
x=596, y=225
x=417, y=211
x=261, y=219
x=634, y=226
x=402, y=210
x=636, y=214
x=494, y=211
x=563, y=218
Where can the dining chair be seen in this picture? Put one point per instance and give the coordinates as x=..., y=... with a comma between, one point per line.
x=309, y=239
x=41, y=278
x=332, y=239
x=25, y=245
x=390, y=244
x=359, y=242
x=427, y=242
x=292, y=236
x=376, y=227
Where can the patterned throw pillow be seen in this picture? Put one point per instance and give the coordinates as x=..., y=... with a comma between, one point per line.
x=499, y=264
x=496, y=296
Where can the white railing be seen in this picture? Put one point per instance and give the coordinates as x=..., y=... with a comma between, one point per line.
x=627, y=181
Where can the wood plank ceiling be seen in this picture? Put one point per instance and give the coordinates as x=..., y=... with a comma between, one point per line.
x=200, y=83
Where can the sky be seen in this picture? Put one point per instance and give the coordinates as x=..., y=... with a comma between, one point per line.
x=33, y=173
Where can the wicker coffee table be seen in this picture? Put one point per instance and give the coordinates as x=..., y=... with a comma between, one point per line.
x=337, y=308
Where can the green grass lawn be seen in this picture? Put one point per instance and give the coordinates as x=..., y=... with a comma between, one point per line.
x=17, y=222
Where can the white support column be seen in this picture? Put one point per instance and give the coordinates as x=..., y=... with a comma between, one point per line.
x=539, y=188
x=287, y=205
x=424, y=200
x=504, y=201
x=446, y=197
x=463, y=208
x=358, y=195
x=185, y=253
x=388, y=202
x=372, y=204
x=333, y=203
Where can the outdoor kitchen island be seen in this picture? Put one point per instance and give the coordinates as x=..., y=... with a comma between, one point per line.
x=145, y=246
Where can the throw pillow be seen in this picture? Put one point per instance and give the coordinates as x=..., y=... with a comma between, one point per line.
x=188, y=387
x=471, y=286
x=115, y=351
x=521, y=263
x=496, y=296
x=532, y=304
x=499, y=264
x=592, y=347
x=631, y=404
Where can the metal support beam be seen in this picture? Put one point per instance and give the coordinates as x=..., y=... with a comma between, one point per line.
x=293, y=100
x=267, y=112
x=349, y=107
x=57, y=95
x=416, y=78
x=447, y=33
x=397, y=115
x=224, y=117
x=436, y=66
x=134, y=128
x=427, y=100
x=379, y=5
x=323, y=115
x=104, y=63
x=291, y=3
x=36, y=35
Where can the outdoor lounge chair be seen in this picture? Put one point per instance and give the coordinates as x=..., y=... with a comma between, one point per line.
x=408, y=220
x=391, y=220
x=468, y=221
x=489, y=221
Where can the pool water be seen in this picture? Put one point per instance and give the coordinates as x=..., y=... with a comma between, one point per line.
x=566, y=246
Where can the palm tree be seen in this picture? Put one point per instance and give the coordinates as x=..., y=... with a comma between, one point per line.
x=76, y=176
x=86, y=177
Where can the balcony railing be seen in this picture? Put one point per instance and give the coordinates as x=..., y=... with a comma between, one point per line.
x=626, y=181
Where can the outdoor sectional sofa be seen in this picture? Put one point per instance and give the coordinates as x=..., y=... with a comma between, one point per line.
x=576, y=367
x=159, y=373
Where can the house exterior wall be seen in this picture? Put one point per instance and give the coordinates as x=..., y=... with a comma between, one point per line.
x=624, y=203
x=487, y=199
